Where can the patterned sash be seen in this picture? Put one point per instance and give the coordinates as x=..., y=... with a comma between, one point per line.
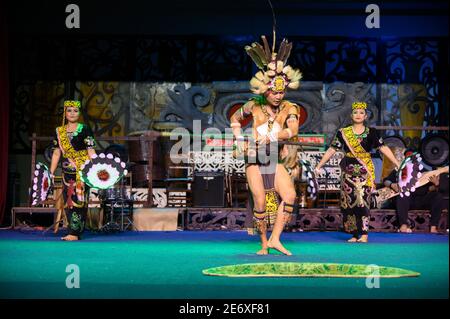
x=359, y=153
x=76, y=158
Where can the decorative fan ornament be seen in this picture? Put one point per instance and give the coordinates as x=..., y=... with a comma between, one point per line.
x=102, y=171
x=42, y=183
x=409, y=174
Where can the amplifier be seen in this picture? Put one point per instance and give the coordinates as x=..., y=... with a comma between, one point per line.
x=208, y=189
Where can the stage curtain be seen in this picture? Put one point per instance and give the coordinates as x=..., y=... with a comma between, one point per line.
x=4, y=110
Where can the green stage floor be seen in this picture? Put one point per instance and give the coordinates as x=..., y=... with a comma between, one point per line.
x=170, y=264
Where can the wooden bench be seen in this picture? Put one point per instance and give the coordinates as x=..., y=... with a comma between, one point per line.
x=31, y=210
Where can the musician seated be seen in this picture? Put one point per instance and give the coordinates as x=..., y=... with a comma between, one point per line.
x=432, y=196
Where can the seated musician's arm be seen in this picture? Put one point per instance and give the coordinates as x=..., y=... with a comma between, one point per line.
x=390, y=179
x=439, y=183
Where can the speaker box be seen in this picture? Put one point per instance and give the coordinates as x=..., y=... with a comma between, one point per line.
x=208, y=189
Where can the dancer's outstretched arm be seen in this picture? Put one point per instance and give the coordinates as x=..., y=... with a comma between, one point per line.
x=328, y=154
x=388, y=153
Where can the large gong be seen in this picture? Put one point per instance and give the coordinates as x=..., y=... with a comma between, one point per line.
x=434, y=150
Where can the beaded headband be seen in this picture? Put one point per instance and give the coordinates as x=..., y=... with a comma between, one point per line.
x=70, y=103
x=359, y=105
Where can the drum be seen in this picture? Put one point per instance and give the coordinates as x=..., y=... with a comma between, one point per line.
x=139, y=155
x=113, y=194
x=106, y=194
x=121, y=194
x=163, y=166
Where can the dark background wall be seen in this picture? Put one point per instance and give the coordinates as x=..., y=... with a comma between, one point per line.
x=203, y=41
x=198, y=41
x=294, y=17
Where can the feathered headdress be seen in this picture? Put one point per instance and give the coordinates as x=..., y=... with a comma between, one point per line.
x=274, y=74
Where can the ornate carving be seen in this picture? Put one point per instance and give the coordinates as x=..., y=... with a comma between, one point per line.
x=338, y=98
x=231, y=94
x=99, y=59
x=105, y=107
x=308, y=220
x=398, y=62
x=216, y=161
x=222, y=59
x=20, y=116
x=411, y=85
x=215, y=220
x=186, y=106
x=307, y=55
x=142, y=106
x=351, y=61
x=162, y=59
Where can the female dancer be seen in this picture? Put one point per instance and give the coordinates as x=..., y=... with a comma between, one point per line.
x=358, y=172
x=75, y=142
x=274, y=119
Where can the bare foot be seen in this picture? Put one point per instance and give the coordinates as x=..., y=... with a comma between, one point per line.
x=363, y=239
x=433, y=230
x=70, y=238
x=352, y=240
x=278, y=246
x=263, y=251
x=405, y=229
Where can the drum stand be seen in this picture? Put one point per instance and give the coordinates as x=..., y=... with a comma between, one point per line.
x=112, y=225
x=122, y=215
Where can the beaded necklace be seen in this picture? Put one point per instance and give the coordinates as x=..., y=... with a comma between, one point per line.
x=269, y=118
